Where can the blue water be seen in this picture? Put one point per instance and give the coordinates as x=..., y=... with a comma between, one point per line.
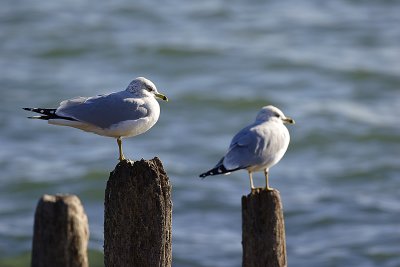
x=334, y=66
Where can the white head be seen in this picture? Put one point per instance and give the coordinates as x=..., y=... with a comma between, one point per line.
x=272, y=113
x=142, y=86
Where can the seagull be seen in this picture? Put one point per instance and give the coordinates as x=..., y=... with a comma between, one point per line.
x=121, y=114
x=256, y=147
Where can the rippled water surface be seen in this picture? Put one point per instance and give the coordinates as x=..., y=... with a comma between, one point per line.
x=334, y=66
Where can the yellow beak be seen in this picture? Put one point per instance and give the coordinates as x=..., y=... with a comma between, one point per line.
x=161, y=96
x=288, y=120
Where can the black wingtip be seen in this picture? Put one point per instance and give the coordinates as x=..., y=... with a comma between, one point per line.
x=220, y=169
x=47, y=114
x=203, y=176
x=31, y=117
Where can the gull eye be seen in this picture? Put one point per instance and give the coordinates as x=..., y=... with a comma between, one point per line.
x=149, y=88
x=277, y=115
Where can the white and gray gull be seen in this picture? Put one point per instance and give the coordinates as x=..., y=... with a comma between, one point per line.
x=256, y=147
x=127, y=113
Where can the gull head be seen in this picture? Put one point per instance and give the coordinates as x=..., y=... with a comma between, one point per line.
x=144, y=87
x=272, y=113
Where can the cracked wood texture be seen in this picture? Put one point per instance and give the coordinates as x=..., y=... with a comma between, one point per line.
x=138, y=215
x=263, y=229
x=61, y=233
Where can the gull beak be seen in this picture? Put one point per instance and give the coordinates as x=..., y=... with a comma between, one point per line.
x=288, y=120
x=161, y=96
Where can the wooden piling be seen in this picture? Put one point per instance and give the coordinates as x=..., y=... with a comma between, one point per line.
x=263, y=230
x=138, y=215
x=61, y=233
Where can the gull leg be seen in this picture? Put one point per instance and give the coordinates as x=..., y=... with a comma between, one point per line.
x=266, y=181
x=251, y=181
x=121, y=154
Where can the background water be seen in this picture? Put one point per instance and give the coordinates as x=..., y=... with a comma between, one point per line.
x=334, y=66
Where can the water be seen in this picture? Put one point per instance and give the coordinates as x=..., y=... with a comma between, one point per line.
x=332, y=66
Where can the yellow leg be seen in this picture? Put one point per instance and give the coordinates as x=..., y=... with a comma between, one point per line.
x=121, y=154
x=251, y=181
x=266, y=181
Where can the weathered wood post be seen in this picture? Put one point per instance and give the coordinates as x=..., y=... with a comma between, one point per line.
x=61, y=233
x=263, y=229
x=138, y=215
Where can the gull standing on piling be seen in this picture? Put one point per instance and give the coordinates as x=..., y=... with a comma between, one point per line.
x=256, y=147
x=120, y=114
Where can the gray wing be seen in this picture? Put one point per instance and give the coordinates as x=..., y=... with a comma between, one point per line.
x=244, y=150
x=103, y=110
